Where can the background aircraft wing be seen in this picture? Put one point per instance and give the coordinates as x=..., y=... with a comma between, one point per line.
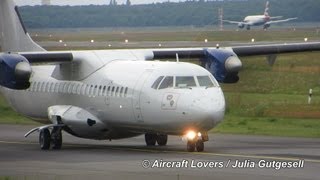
x=233, y=22
x=281, y=21
x=276, y=17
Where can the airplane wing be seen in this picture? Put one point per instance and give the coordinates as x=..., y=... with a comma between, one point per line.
x=224, y=63
x=281, y=21
x=234, y=22
x=276, y=17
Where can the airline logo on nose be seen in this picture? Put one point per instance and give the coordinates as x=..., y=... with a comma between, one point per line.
x=169, y=101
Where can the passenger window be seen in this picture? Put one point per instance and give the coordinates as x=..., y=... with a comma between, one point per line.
x=104, y=91
x=121, y=92
x=95, y=93
x=157, y=82
x=117, y=90
x=167, y=82
x=185, y=81
x=205, y=81
x=112, y=91
x=70, y=87
x=108, y=91
x=126, y=92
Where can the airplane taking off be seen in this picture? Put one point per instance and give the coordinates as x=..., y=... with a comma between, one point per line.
x=114, y=94
x=264, y=20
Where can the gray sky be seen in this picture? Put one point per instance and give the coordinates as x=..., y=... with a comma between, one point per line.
x=83, y=2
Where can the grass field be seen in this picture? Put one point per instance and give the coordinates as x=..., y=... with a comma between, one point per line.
x=267, y=100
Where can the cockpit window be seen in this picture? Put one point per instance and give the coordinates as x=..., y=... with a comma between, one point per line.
x=167, y=82
x=157, y=82
x=205, y=81
x=185, y=81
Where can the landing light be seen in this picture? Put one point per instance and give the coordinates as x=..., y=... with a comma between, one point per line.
x=191, y=135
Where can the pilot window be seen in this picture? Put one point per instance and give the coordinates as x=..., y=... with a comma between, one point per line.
x=185, y=81
x=167, y=82
x=157, y=82
x=205, y=81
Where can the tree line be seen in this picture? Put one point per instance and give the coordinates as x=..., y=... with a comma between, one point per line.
x=197, y=13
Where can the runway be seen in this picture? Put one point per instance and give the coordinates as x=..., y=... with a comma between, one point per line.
x=21, y=158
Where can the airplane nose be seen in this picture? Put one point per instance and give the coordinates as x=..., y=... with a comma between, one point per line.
x=209, y=111
x=233, y=64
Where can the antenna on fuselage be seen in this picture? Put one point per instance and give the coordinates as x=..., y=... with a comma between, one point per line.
x=177, y=57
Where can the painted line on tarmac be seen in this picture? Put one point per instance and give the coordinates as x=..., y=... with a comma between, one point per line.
x=181, y=152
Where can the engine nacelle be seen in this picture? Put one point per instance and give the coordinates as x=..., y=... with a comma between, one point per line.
x=266, y=26
x=15, y=71
x=240, y=25
x=223, y=64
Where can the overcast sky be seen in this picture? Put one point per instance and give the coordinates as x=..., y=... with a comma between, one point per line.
x=83, y=2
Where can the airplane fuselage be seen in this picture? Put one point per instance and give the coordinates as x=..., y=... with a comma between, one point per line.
x=256, y=20
x=120, y=97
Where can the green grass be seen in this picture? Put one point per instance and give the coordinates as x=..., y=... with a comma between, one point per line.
x=271, y=126
x=8, y=116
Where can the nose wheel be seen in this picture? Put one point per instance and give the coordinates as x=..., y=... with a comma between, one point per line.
x=195, y=146
x=196, y=141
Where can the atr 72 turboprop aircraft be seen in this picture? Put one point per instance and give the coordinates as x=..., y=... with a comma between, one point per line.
x=114, y=94
x=258, y=20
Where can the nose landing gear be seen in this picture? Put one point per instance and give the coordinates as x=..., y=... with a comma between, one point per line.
x=196, y=141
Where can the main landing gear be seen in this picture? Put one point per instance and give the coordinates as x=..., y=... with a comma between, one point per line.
x=54, y=138
x=196, y=141
x=152, y=138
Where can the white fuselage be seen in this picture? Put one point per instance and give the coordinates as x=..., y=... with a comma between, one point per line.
x=118, y=94
x=256, y=20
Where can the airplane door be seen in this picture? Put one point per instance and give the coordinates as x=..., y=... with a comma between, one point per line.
x=136, y=95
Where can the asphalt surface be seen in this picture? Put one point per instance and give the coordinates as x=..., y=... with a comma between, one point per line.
x=21, y=158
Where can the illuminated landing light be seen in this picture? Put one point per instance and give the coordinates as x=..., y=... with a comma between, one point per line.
x=109, y=45
x=217, y=46
x=60, y=41
x=92, y=41
x=120, y=106
x=65, y=45
x=305, y=39
x=206, y=40
x=191, y=135
x=126, y=41
x=253, y=40
x=160, y=45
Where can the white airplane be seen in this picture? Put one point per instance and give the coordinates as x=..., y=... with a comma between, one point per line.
x=114, y=94
x=264, y=20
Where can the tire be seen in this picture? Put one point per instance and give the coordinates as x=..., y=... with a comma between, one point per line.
x=56, y=139
x=200, y=146
x=162, y=139
x=150, y=139
x=191, y=146
x=44, y=139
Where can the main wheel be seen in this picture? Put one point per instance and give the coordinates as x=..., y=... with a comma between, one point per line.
x=56, y=137
x=44, y=139
x=191, y=146
x=199, y=145
x=162, y=139
x=150, y=139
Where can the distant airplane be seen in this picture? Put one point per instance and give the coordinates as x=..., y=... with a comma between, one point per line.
x=114, y=94
x=257, y=20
